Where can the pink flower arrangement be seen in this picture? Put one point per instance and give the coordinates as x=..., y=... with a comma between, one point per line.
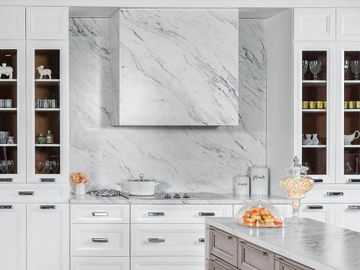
x=79, y=178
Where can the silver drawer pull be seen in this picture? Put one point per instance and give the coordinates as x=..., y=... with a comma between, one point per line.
x=156, y=214
x=312, y=207
x=201, y=240
x=47, y=180
x=100, y=214
x=335, y=194
x=206, y=214
x=263, y=253
x=100, y=240
x=48, y=207
x=354, y=207
x=6, y=207
x=318, y=180
x=26, y=193
x=6, y=179
x=351, y=181
x=156, y=240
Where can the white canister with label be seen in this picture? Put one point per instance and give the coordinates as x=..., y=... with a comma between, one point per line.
x=259, y=179
x=241, y=185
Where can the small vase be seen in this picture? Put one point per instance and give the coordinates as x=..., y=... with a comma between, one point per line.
x=307, y=140
x=80, y=189
x=315, y=140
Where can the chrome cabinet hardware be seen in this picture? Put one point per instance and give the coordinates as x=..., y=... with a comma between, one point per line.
x=156, y=214
x=335, y=193
x=351, y=181
x=47, y=207
x=156, y=240
x=47, y=180
x=100, y=240
x=313, y=207
x=100, y=214
x=26, y=193
x=318, y=180
x=6, y=179
x=206, y=214
x=6, y=207
x=263, y=253
x=354, y=207
x=201, y=240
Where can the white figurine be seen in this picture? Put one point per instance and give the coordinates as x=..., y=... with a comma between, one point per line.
x=44, y=72
x=8, y=71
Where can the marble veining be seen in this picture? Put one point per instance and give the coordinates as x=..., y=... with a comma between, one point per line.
x=315, y=244
x=187, y=159
x=191, y=80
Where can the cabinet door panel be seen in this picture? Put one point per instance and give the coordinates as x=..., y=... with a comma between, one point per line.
x=100, y=263
x=320, y=212
x=167, y=263
x=13, y=236
x=348, y=24
x=12, y=22
x=348, y=216
x=48, y=236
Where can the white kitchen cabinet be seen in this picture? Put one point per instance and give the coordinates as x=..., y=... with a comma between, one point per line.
x=13, y=236
x=48, y=162
x=320, y=212
x=100, y=213
x=100, y=263
x=348, y=24
x=47, y=236
x=161, y=91
x=12, y=22
x=167, y=263
x=348, y=216
x=314, y=24
x=47, y=23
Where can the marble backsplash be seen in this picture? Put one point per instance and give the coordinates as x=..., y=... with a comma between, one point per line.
x=193, y=159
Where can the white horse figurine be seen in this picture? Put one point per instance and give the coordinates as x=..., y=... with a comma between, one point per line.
x=44, y=72
x=6, y=70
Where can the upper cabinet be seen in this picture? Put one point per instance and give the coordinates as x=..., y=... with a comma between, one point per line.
x=12, y=23
x=314, y=24
x=348, y=24
x=47, y=23
x=175, y=67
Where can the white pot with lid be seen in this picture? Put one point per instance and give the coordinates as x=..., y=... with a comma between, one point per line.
x=142, y=186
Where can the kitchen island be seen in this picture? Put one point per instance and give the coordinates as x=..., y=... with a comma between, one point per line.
x=312, y=245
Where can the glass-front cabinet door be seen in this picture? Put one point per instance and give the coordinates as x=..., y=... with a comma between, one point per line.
x=348, y=131
x=12, y=112
x=48, y=97
x=314, y=140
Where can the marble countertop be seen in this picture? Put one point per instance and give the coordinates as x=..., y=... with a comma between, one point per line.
x=208, y=199
x=315, y=244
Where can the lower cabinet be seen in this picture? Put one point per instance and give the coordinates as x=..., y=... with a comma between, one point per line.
x=320, y=212
x=100, y=263
x=48, y=236
x=348, y=216
x=13, y=236
x=167, y=263
x=34, y=236
x=253, y=257
x=282, y=263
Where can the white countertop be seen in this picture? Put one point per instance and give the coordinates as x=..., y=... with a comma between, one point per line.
x=208, y=199
x=315, y=244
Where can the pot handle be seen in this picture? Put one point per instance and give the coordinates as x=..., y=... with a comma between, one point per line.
x=357, y=134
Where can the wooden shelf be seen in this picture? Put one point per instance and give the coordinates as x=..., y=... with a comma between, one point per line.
x=352, y=82
x=314, y=82
x=47, y=81
x=8, y=145
x=352, y=146
x=47, y=109
x=314, y=146
x=314, y=110
x=47, y=145
x=351, y=110
x=8, y=109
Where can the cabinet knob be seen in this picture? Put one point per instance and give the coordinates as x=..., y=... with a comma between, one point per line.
x=318, y=180
x=100, y=214
x=206, y=214
x=6, y=207
x=354, y=207
x=313, y=207
x=26, y=193
x=47, y=180
x=6, y=179
x=156, y=214
x=201, y=240
x=47, y=207
x=353, y=181
x=334, y=193
x=100, y=240
x=156, y=240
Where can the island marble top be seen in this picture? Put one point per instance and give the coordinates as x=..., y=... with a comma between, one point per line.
x=314, y=244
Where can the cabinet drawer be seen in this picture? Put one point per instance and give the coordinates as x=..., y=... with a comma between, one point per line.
x=177, y=213
x=314, y=24
x=215, y=263
x=99, y=213
x=54, y=193
x=168, y=239
x=100, y=240
x=286, y=264
x=223, y=246
x=100, y=263
x=254, y=258
x=167, y=263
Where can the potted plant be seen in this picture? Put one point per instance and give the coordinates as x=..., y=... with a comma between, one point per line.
x=79, y=179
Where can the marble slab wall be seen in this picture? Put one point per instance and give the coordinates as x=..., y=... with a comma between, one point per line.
x=193, y=159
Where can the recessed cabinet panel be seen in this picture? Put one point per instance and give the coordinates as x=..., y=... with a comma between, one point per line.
x=168, y=263
x=177, y=67
x=12, y=22
x=100, y=263
x=348, y=24
x=47, y=23
x=314, y=24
